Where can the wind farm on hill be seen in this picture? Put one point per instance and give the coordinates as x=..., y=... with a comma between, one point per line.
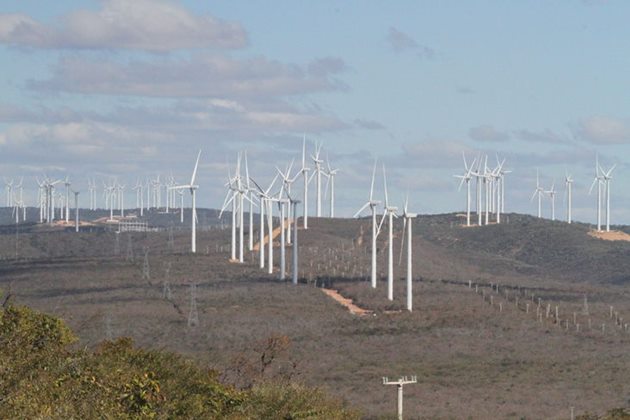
x=485, y=311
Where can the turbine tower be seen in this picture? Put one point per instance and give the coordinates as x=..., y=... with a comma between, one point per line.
x=599, y=180
x=263, y=196
x=286, y=190
x=552, y=196
x=606, y=178
x=407, y=220
x=372, y=204
x=193, y=189
x=568, y=182
x=304, y=172
x=468, y=174
x=330, y=174
x=390, y=213
x=318, y=175
x=538, y=192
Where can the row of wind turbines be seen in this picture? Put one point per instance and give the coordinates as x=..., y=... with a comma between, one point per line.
x=243, y=190
x=490, y=191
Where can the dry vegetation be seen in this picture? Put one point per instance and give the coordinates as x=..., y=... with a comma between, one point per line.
x=471, y=359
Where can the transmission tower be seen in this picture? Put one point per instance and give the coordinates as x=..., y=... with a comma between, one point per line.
x=129, y=249
x=193, y=316
x=166, y=288
x=171, y=241
x=146, y=275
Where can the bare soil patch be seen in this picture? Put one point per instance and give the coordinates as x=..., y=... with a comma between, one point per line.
x=354, y=309
x=613, y=235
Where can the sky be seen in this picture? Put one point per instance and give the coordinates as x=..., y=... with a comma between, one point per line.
x=132, y=89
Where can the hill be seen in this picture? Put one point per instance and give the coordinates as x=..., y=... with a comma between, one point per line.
x=483, y=354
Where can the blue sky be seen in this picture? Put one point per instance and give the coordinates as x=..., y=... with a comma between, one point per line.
x=133, y=88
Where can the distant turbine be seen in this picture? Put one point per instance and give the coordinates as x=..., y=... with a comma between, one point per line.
x=606, y=177
x=193, y=189
x=468, y=174
x=599, y=180
x=568, y=181
x=407, y=221
x=538, y=191
x=390, y=213
x=331, y=173
x=552, y=196
x=371, y=203
x=304, y=172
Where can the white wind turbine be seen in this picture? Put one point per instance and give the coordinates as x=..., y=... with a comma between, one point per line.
x=390, y=213
x=250, y=198
x=599, y=179
x=92, y=193
x=263, y=196
x=407, y=221
x=76, y=210
x=232, y=197
x=193, y=189
x=286, y=189
x=318, y=178
x=606, y=178
x=468, y=174
x=9, y=191
x=552, y=195
x=372, y=204
x=497, y=177
x=304, y=172
x=67, y=185
x=331, y=173
x=568, y=182
x=539, y=191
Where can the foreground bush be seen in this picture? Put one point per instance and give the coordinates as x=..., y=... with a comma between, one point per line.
x=41, y=377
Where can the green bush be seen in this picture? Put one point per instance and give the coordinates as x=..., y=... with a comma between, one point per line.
x=42, y=377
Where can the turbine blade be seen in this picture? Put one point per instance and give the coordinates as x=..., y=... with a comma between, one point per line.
x=361, y=210
x=194, y=174
x=373, y=177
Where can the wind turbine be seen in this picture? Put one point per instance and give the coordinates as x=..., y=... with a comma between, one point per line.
x=318, y=174
x=250, y=198
x=390, y=213
x=407, y=221
x=286, y=189
x=568, y=182
x=552, y=196
x=193, y=189
x=468, y=173
x=331, y=173
x=67, y=185
x=304, y=172
x=599, y=179
x=606, y=177
x=372, y=204
x=76, y=210
x=9, y=190
x=538, y=191
x=263, y=196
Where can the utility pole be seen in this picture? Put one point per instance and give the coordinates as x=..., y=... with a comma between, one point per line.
x=404, y=380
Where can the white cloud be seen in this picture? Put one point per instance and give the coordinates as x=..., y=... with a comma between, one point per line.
x=203, y=75
x=488, y=133
x=603, y=130
x=544, y=136
x=151, y=25
x=400, y=42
